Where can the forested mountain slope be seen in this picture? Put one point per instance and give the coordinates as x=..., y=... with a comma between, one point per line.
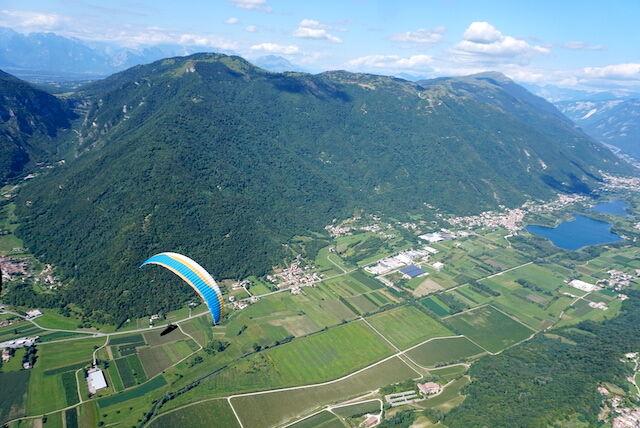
x=30, y=119
x=211, y=156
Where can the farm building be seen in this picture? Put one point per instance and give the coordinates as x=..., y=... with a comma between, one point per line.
x=412, y=271
x=95, y=380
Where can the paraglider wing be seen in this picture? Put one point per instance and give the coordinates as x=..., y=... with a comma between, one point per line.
x=194, y=275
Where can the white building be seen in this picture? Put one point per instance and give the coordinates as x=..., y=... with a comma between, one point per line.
x=34, y=313
x=438, y=265
x=21, y=342
x=95, y=380
x=584, y=286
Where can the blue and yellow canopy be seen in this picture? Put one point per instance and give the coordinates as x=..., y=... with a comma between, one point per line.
x=194, y=275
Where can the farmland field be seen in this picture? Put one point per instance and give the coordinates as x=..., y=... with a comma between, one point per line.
x=209, y=413
x=358, y=409
x=445, y=350
x=436, y=306
x=278, y=407
x=326, y=355
x=70, y=387
x=139, y=391
x=406, y=326
x=13, y=394
x=126, y=375
x=121, y=340
x=489, y=328
x=321, y=420
x=71, y=418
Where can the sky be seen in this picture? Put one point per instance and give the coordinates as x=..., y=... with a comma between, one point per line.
x=575, y=44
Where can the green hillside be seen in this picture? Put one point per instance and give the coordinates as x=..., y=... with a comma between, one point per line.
x=211, y=156
x=30, y=119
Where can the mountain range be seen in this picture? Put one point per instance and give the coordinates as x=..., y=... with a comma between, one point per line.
x=215, y=157
x=612, y=121
x=50, y=57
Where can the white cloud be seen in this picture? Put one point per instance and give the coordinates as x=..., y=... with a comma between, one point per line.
x=421, y=35
x=628, y=71
x=312, y=29
x=483, y=43
x=251, y=28
x=482, y=32
x=231, y=20
x=252, y=4
x=276, y=48
x=391, y=63
x=31, y=20
x=582, y=46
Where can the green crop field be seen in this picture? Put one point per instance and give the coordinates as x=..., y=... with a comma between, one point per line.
x=70, y=386
x=278, y=407
x=154, y=360
x=136, y=368
x=445, y=350
x=199, y=328
x=154, y=338
x=128, y=379
x=489, y=328
x=13, y=394
x=121, y=340
x=52, y=319
x=359, y=409
x=326, y=355
x=365, y=279
x=436, y=306
x=54, y=355
x=321, y=420
x=88, y=414
x=361, y=304
x=130, y=394
x=116, y=381
x=57, y=335
x=71, y=418
x=213, y=413
x=406, y=326
x=450, y=372
x=18, y=330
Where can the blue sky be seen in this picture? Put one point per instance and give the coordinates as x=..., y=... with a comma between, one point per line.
x=582, y=44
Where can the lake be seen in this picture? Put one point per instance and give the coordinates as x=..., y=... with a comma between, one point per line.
x=617, y=207
x=581, y=232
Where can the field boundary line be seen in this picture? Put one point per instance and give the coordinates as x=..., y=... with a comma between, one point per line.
x=234, y=412
x=401, y=353
x=513, y=317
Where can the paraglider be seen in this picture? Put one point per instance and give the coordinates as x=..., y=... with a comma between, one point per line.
x=194, y=275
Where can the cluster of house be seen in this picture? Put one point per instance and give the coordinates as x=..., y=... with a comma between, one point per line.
x=618, y=280
x=599, y=305
x=614, y=183
x=12, y=268
x=294, y=276
x=626, y=417
x=21, y=342
x=426, y=390
x=510, y=219
x=343, y=229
